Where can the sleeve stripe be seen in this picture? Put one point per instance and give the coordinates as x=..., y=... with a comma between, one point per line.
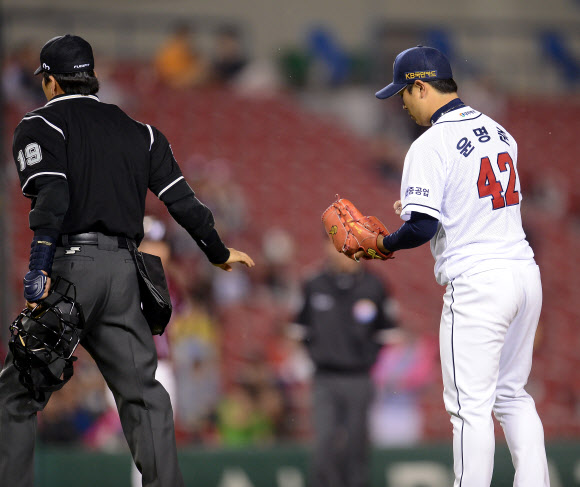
x=421, y=206
x=42, y=174
x=50, y=124
x=169, y=186
x=151, y=134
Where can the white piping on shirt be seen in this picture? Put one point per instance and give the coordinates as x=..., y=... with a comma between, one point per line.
x=169, y=186
x=70, y=97
x=51, y=124
x=41, y=174
x=150, y=133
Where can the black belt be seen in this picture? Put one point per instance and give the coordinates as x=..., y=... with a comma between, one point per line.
x=90, y=238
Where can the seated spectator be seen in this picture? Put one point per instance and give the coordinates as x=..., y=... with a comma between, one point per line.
x=241, y=419
x=403, y=370
x=178, y=63
x=229, y=57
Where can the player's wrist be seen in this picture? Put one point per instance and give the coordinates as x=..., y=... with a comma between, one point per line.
x=381, y=245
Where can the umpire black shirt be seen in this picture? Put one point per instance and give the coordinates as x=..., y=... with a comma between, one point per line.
x=87, y=167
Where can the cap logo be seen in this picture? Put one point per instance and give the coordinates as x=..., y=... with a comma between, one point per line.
x=79, y=66
x=421, y=74
x=45, y=66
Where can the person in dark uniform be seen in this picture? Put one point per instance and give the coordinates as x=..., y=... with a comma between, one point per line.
x=343, y=322
x=87, y=167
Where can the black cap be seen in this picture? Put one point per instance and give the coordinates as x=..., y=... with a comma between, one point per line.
x=66, y=54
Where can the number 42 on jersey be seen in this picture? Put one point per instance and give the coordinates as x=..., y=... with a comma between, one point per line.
x=488, y=185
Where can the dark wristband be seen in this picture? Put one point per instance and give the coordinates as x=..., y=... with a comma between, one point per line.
x=213, y=247
x=42, y=251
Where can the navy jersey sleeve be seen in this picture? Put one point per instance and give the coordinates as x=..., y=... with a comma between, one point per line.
x=39, y=149
x=165, y=171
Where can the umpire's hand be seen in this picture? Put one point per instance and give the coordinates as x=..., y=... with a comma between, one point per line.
x=32, y=304
x=236, y=256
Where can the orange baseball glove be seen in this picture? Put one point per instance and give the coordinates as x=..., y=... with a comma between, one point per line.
x=350, y=231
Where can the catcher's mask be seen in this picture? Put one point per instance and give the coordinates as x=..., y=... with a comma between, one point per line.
x=43, y=339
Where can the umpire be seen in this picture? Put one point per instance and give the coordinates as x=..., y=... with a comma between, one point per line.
x=87, y=166
x=343, y=323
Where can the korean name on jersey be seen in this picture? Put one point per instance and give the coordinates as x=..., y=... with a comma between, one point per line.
x=463, y=171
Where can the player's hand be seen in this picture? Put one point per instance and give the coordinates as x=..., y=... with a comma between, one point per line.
x=31, y=305
x=398, y=207
x=361, y=254
x=236, y=256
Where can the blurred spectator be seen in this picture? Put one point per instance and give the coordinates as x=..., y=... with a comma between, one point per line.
x=216, y=183
x=19, y=85
x=252, y=410
x=195, y=351
x=402, y=371
x=342, y=322
x=229, y=58
x=241, y=420
x=278, y=271
x=178, y=63
x=230, y=288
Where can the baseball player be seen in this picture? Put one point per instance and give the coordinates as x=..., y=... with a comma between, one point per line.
x=461, y=191
x=87, y=166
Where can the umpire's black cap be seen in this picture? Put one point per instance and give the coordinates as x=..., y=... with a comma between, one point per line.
x=65, y=55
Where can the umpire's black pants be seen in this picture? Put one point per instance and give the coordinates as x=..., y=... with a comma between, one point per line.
x=118, y=338
x=341, y=456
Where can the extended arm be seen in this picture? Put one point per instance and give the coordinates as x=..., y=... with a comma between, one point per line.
x=198, y=220
x=418, y=230
x=168, y=183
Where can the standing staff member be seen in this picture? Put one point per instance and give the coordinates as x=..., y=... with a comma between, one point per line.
x=460, y=189
x=87, y=166
x=343, y=325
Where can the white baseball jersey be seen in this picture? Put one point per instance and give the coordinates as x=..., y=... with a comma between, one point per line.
x=463, y=171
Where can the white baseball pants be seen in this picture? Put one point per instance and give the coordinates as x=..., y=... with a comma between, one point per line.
x=487, y=331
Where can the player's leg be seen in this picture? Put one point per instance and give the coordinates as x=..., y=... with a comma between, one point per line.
x=325, y=468
x=514, y=407
x=123, y=349
x=472, y=331
x=357, y=393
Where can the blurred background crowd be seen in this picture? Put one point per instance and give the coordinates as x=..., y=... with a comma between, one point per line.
x=267, y=131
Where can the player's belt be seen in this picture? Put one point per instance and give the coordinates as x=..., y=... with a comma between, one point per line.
x=90, y=238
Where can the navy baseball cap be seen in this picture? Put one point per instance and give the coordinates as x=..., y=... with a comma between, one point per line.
x=65, y=55
x=424, y=63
